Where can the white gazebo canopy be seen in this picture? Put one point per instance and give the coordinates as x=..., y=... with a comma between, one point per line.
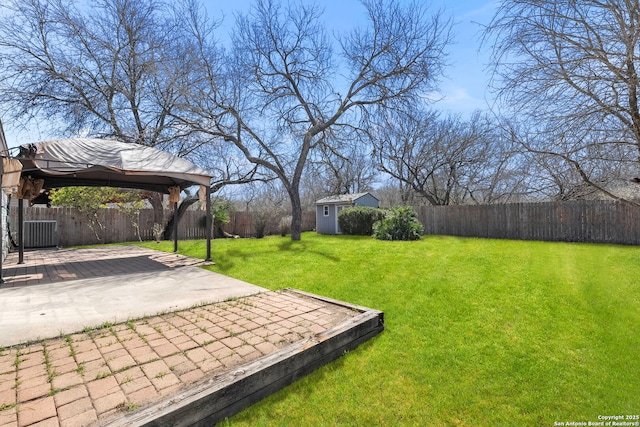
x=103, y=163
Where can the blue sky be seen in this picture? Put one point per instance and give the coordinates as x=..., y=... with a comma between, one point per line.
x=462, y=90
x=464, y=87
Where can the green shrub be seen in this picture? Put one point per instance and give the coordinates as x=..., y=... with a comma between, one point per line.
x=401, y=223
x=359, y=220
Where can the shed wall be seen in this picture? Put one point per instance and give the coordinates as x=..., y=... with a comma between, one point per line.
x=325, y=224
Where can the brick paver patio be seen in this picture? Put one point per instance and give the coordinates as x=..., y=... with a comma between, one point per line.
x=55, y=265
x=92, y=376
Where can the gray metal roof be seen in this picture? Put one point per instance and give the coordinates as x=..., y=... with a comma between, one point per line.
x=343, y=198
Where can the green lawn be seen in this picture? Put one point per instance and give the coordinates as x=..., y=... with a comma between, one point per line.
x=478, y=332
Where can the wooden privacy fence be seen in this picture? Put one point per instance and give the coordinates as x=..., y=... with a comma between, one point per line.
x=578, y=221
x=594, y=221
x=72, y=227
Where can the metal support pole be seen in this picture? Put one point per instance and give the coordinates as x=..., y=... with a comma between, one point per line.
x=175, y=227
x=4, y=224
x=208, y=224
x=20, y=231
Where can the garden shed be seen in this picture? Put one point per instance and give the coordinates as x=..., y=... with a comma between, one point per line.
x=327, y=209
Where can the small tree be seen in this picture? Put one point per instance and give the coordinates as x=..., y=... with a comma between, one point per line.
x=359, y=220
x=130, y=204
x=87, y=200
x=220, y=209
x=401, y=223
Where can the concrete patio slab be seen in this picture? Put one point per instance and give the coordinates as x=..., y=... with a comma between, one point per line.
x=29, y=313
x=143, y=338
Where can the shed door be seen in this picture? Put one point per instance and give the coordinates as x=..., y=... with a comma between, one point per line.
x=338, y=209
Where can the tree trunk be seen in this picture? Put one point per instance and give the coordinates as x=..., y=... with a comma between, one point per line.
x=167, y=233
x=296, y=216
x=158, y=209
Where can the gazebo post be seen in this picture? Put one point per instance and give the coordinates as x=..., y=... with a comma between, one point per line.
x=21, y=231
x=207, y=232
x=175, y=227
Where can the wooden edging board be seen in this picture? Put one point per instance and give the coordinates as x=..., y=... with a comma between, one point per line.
x=227, y=394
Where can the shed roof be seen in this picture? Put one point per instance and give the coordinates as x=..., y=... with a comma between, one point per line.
x=343, y=198
x=103, y=162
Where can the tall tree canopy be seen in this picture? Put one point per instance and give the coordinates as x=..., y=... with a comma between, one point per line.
x=107, y=68
x=569, y=69
x=448, y=160
x=282, y=89
x=153, y=72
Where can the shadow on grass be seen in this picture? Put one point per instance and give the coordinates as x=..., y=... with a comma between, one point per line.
x=303, y=246
x=227, y=260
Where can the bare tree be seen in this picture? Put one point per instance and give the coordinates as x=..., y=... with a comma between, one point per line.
x=558, y=181
x=268, y=203
x=108, y=70
x=229, y=169
x=343, y=167
x=397, y=193
x=568, y=71
x=115, y=68
x=281, y=89
x=447, y=160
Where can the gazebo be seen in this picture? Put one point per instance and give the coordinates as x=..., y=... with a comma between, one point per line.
x=100, y=163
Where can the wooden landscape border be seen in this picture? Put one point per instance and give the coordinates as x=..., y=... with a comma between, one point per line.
x=223, y=396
